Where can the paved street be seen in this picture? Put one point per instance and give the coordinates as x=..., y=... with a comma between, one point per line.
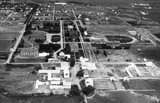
x=7, y=17
x=21, y=35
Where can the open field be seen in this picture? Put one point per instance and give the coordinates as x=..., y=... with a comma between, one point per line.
x=20, y=67
x=13, y=28
x=108, y=29
x=119, y=97
x=5, y=55
x=8, y=29
x=145, y=84
x=34, y=60
x=5, y=45
x=17, y=86
x=42, y=99
x=8, y=36
x=104, y=85
x=2, y=61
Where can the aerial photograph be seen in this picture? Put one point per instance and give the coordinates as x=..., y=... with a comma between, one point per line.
x=79, y=51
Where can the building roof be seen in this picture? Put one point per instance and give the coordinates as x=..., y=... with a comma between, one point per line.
x=43, y=54
x=67, y=82
x=29, y=49
x=89, y=81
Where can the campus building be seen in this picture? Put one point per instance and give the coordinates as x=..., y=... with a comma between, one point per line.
x=55, y=77
x=29, y=52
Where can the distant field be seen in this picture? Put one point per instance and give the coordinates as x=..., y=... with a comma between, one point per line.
x=94, y=2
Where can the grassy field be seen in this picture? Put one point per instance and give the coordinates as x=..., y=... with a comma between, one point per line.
x=9, y=32
x=41, y=99
x=146, y=84
x=8, y=36
x=5, y=45
x=120, y=97
x=8, y=29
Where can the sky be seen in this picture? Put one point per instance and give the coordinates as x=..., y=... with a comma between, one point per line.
x=97, y=2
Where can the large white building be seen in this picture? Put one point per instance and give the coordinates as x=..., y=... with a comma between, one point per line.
x=56, y=78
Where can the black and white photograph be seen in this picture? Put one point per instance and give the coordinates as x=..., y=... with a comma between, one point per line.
x=79, y=51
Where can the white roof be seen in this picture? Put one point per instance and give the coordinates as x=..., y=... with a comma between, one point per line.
x=43, y=54
x=149, y=64
x=68, y=83
x=85, y=33
x=61, y=54
x=68, y=55
x=61, y=3
x=56, y=87
x=70, y=26
x=38, y=83
x=87, y=19
x=132, y=32
x=54, y=79
x=65, y=65
x=91, y=66
x=49, y=71
x=55, y=82
x=89, y=81
x=83, y=59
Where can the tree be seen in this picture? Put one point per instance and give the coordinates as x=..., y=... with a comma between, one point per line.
x=74, y=91
x=88, y=90
x=97, y=51
x=80, y=73
x=72, y=62
x=28, y=32
x=104, y=52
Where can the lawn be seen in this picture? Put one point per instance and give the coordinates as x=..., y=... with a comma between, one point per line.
x=30, y=38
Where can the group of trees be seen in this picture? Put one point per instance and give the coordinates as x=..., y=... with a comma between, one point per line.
x=80, y=73
x=40, y=41
x=72, y=62
x=75, y=91
x=104, y=52
x=88, y=90
x=27, y=32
